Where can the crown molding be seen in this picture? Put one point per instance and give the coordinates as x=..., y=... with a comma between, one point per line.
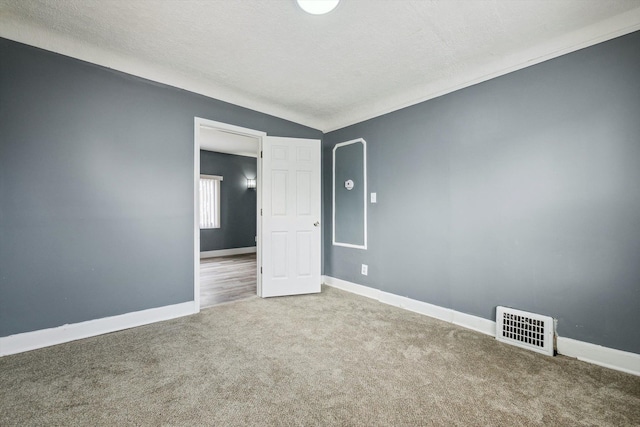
x=17, y=30
x=608, y=29
x=46, y=39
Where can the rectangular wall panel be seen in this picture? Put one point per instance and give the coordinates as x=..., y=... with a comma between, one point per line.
x=350, y=194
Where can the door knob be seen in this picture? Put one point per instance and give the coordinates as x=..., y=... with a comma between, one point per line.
x=317, y=223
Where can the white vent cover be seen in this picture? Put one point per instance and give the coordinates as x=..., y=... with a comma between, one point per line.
x=523, y=329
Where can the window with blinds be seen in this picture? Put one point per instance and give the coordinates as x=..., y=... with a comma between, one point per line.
x=210, y=201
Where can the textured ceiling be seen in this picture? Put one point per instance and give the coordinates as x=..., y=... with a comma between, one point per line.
x=365, y=58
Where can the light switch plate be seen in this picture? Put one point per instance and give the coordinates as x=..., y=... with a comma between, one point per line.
x=374, y=198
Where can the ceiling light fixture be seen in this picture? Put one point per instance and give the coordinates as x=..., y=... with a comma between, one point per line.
x=317, y=7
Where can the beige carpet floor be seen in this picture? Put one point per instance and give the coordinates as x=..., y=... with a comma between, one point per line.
x=327, y=359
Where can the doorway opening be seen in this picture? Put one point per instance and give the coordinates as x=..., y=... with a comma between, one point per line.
x=227, y=249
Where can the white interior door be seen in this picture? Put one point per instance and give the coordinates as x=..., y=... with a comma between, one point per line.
x=291, y=228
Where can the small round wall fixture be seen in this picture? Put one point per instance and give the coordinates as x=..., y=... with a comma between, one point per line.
x=318, y=7
x=348, y=184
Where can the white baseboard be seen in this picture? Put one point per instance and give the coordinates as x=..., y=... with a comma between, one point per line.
x=47, y=337
x=448, y=315
x=592, y=353
x=227, y=252
x=598, y=355
x=365, y=291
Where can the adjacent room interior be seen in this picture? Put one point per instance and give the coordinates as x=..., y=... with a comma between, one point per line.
x=228, y=206
x=441, y=196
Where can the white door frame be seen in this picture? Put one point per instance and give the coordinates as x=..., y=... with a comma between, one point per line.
x=224, y=127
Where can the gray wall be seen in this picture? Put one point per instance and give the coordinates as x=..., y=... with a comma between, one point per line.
x=521, y=191
x=237, y=202
x=96, y=188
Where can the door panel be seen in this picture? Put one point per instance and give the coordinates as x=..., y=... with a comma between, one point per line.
x=291, y=216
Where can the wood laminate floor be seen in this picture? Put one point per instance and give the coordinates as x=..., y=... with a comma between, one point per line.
x=228, y=278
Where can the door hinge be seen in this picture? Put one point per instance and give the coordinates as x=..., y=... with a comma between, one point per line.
x=260, y=154
x=260, y=211
x=260, y=270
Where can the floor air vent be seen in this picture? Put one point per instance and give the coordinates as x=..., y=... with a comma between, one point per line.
x=526, y=330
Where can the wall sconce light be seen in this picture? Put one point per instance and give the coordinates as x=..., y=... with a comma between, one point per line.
x=251, y=183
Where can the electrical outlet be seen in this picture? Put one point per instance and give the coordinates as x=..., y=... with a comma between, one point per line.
x=365, y=269
x=374, y=198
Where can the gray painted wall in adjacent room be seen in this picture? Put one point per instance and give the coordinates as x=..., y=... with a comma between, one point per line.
x=521, y=191
x=96, y=188
x=237, y=202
